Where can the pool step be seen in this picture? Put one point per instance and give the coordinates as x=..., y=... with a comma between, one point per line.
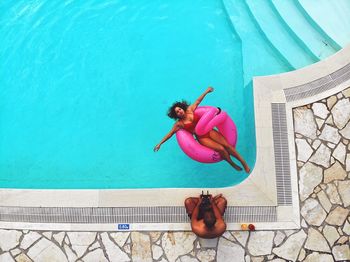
x=308, y=36
x=245, y=28
x=278, y=35
x=337, y=24
x=317, y=26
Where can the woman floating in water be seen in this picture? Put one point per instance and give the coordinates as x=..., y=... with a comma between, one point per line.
x=186, y=119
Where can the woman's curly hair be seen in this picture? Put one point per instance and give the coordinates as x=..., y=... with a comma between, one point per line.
x=171, y=112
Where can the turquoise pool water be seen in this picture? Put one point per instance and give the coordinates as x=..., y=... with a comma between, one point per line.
x=85, y=86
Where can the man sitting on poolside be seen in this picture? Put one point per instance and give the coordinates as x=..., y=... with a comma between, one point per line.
x=206, y=215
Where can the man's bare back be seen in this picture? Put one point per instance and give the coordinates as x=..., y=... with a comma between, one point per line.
x=200, y=221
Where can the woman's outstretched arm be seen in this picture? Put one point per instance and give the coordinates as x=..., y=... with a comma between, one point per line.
x=199, y=99
x=175, y=128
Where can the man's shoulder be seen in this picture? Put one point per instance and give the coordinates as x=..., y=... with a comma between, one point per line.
x=198, y=228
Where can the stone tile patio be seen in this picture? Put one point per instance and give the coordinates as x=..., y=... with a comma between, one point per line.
x=322, y=134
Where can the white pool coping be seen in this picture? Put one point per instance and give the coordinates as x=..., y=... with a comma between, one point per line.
x=259, y=189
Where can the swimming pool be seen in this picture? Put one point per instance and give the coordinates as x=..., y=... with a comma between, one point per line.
x=268, y=197
x=85, y=88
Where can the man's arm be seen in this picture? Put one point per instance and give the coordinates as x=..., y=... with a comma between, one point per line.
x=216, y=210
x=196, y=211
x=220, y=225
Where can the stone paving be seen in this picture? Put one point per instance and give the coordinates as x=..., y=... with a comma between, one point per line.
x=322, y=134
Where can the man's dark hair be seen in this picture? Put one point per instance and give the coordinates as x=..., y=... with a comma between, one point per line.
x=171, y=111
x=209, y=218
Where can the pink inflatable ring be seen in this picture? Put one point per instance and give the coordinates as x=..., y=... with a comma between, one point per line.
x=208, y=119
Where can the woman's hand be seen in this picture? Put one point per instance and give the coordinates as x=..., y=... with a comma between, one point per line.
x=209, y=89
x=199, y=99
x=156, y=148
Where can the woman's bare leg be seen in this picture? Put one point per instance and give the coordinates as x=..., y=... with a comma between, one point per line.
x=219, y=138
x=219, y=148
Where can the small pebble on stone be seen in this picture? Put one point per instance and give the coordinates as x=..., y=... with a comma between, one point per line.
x=302, y=254
x=270, y=256
x=331, y=145
x=346, y=92
x=15, y=252
x=331, y=102
x=303, y=223
x=317, y=189
x=340, y=231
x=316, y=144
x=342, y=240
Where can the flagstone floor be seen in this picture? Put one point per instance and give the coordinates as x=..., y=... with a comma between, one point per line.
x=322, y=135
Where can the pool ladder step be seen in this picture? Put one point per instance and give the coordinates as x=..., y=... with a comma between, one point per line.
x=275, y=31
x=245, y=27
x=336, y=26
x=311, y=39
